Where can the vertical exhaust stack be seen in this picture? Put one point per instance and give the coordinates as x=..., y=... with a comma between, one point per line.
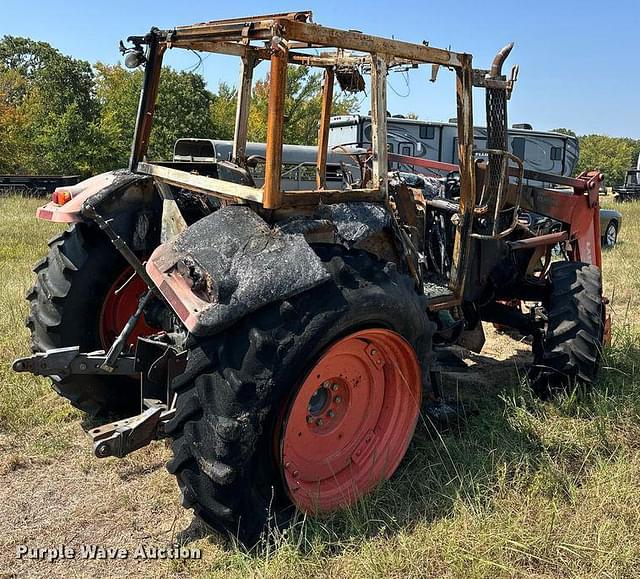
x=497, y=94
x=496, y=105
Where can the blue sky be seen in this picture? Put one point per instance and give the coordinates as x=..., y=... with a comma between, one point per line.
x=579, y=61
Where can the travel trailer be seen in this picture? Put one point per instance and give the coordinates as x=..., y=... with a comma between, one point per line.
x=543, y=152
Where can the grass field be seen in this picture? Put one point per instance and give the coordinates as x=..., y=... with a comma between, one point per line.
x=521, y=489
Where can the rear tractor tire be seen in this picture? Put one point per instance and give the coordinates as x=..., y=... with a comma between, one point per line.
x=307, y=403
x=569, y=353
x=75, y=302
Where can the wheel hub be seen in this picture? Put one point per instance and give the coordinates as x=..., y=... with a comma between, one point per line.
x=328, y=406
x=351, y=421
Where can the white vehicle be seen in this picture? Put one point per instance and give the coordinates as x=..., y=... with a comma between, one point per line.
x=545, y=152
x=298, y=161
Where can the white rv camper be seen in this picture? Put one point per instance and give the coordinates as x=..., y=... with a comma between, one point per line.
x=541, y=151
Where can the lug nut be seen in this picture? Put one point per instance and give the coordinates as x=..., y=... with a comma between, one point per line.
x=319, y=422
x=331, y=414
x=337, y=399
x=334, y=387
x=309, y=419
x=374, y=352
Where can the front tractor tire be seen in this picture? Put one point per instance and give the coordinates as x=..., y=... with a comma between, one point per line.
x=75, y=302
x=569, y=352
x=307, y=403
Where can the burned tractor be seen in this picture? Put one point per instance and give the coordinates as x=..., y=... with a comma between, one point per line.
x=284, y=340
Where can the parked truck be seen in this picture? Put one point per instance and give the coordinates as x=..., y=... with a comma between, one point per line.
x=36, y=184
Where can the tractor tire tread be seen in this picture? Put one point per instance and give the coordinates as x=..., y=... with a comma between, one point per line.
x=233, y=386
x=572, y=345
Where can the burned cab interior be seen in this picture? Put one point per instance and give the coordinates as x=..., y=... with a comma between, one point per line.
x=421, y=210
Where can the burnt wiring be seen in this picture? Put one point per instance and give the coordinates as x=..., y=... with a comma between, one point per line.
x=405, y=76
x=199, y=64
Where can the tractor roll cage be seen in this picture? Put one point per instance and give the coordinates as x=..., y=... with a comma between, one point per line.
x=283, y=39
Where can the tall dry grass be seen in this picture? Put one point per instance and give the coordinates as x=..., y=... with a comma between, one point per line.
x=521, y=489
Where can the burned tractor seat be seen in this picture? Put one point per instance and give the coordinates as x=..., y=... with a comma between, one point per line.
x=228, y=171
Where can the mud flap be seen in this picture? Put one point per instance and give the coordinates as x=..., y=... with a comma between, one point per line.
x=229, y=264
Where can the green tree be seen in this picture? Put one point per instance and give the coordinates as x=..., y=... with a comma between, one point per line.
x=611, y=155
x=564, y=131
x=12, y=120
x=118, y=92
x=223, y=111
x=302, y=107
x=58, y=114
x=182, y=110
x=64, y=79
x=54, y=107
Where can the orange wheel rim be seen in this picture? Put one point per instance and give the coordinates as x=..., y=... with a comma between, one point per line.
x=351, y=421
x=119, y=305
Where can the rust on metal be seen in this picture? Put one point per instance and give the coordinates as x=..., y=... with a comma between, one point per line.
x=325, y=36
x=548, y=239
x=282, y=38
x=272, y=196
x=201, y=183
x=462, y=242
x=379, y=177
x=147, y=105
x=461, y=247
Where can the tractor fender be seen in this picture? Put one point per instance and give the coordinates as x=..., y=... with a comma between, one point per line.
x=115, y=188
x=355, y=225
x=347, y=223
x=229, y=264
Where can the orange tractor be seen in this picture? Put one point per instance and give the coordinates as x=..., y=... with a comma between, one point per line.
x=284, y=340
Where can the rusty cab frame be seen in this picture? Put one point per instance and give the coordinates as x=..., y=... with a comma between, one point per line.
x=284, y=39
x=492, y=189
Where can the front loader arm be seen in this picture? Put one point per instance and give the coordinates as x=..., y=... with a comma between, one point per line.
x=578, y=207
